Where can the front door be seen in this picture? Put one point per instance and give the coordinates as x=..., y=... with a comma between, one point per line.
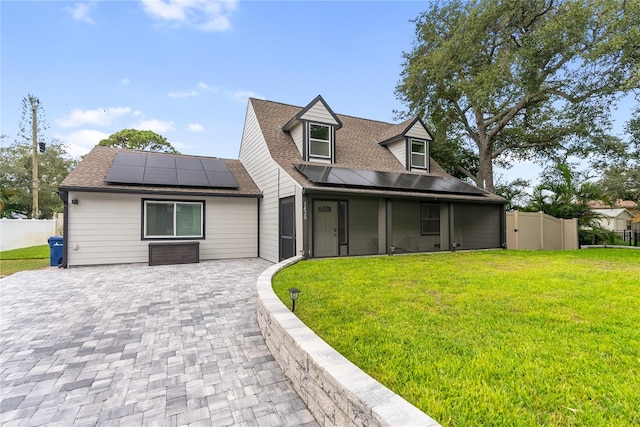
x=325, y=229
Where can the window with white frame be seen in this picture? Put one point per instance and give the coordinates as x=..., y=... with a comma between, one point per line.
x=319, y=140
x=429, y=219
x=418, y=153
x=164, y=219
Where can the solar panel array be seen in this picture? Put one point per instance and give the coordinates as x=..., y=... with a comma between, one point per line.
x=332, y=176
x=169, y=170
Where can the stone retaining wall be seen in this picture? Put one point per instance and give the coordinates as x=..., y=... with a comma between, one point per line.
x=336, y=391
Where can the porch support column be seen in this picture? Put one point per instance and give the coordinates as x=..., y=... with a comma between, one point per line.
x=452, y=227
x=445, y=232
x=389, y=226
x=503, y=227
x=305, y=226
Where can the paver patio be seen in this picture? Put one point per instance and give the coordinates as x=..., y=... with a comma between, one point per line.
x=137, y=345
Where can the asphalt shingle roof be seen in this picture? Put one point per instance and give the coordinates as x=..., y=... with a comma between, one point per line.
x=357, y=147
x=90, y=173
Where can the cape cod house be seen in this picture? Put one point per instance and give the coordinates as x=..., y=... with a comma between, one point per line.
x=308, y=181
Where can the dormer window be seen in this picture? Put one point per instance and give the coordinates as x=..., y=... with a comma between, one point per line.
x=409, y=143
x=418, y=153
x=313, y=130
x=320, y=141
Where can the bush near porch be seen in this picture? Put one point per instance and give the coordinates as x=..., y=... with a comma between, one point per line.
x=487, y=338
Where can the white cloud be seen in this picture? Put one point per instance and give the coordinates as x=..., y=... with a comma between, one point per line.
x=205, y=86
x=80, y=12
x=125, y=81
x=82, y=141
x=185, y=94
x=155, y=125
x=97, y=117
x=204, y=15
x=243, y=95
x=195, y=127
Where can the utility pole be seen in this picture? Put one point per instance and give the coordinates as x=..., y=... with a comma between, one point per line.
x=34, y=131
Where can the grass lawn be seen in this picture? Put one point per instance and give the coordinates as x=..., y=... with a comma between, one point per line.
x=516, y=338
x=31, y=258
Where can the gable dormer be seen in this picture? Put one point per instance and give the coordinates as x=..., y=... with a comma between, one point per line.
x=409, y=143
x=313, y=130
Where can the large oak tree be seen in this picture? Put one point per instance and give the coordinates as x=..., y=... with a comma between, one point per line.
x=519, y=80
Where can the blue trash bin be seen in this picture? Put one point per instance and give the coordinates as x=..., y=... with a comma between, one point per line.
x=56, y=244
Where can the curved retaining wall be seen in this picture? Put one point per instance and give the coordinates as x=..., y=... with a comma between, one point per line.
x=337, y=392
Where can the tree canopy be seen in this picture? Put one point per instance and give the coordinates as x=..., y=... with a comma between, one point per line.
x=16, y=166
x=621, y=177
x=139, y=140
x=502, y=81
x=16, y=179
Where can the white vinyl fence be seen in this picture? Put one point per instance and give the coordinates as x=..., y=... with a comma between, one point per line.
x=22, y=233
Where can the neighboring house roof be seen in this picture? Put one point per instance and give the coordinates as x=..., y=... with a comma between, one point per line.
x=627, y=204
x=613, y=213
x=357, y=147
x=90, y=175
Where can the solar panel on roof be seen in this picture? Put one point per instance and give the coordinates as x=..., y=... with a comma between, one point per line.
x=124, y=174
x=160, y=161
x=169, y=170
x=221, y=179
x=188, y=163
x=332, y=176
x=192, y=178
x=130, y=159
x=160, y=176
x=214, y=165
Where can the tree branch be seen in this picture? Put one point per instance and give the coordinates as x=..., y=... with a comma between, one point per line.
x=466, y=172
x=472, y=133
x=508, y=115
x=501, y=150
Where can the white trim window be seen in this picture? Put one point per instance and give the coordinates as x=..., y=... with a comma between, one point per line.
x=418, y=149
x=320, y=140
x=429, y=219
x=173, y=220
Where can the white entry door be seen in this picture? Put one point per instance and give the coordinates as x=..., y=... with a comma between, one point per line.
x=325, y=230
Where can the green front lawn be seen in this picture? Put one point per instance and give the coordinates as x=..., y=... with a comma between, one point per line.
x=31, y=258
x=487, y=338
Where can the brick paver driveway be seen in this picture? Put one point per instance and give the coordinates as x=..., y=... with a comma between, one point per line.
x=137, y=345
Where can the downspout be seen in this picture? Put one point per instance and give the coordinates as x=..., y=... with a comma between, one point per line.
x=258, y=237
x=64, y=195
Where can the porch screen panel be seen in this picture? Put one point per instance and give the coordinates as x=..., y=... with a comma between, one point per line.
x=476, y=226
x=407, y=227
x=363, y=226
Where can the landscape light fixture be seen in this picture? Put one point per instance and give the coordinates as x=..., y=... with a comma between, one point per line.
x=293, y=293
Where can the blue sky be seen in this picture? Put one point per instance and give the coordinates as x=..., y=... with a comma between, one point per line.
x=185, y=69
